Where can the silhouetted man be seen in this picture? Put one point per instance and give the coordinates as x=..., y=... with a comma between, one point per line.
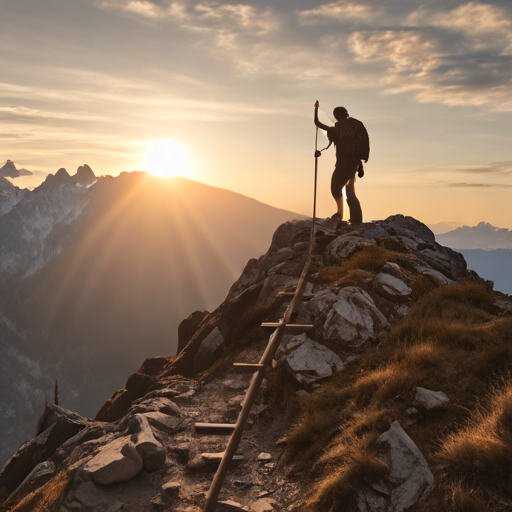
x=352, y=146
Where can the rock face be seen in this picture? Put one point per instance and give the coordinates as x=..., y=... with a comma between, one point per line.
x=409, y=479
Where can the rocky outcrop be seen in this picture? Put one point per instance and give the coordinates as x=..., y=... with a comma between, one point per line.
x=55, y=427
x=188, y=328
x=346, y=315
x=144, y=452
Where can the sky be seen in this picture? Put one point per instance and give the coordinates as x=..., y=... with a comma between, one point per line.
x=228, y=89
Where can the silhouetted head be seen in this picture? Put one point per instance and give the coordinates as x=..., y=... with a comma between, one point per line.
x=340, y=113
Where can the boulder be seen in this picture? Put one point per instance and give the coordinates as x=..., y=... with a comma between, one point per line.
x=409, y=478
x=209, y=349
x=152, y=452
x=118, y=461
x=392, y=285
x=163, y=422
x=353, y=317
x=188, y=328
x=160, y=403
x=430, y=399
x=308, y=361
x=438, y=276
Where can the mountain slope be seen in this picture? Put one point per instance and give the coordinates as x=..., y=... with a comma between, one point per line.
x=99, y=275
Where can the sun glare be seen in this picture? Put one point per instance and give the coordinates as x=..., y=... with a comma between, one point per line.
x=166, y=158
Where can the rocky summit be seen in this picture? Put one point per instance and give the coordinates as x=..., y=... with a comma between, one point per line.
x=341, y=423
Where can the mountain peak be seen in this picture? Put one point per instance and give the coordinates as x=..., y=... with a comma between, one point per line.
x=85, y=175
x=8, y=170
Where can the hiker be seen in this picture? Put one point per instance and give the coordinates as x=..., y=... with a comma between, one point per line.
x=352, y=147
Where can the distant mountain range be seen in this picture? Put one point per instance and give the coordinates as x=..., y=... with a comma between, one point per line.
x=487, y=250
x=483, y=236
x=97, y=273
x=443, y=227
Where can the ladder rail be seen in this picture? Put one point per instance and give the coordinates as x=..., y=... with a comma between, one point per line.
x=266, y=360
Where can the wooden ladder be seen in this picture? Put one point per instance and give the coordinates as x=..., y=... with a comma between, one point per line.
x=259, y=370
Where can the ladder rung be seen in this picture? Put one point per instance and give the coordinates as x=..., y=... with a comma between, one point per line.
x=289, y=327
x=246, y=368
x=290, y=295
x=214, y=429
x=215, y=458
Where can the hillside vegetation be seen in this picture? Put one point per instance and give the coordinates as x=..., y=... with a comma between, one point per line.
x=453, y=341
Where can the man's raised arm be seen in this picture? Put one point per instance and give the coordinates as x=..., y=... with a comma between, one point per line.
x=320, y=125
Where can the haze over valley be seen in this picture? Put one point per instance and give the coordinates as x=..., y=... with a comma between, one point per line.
x=97, y=273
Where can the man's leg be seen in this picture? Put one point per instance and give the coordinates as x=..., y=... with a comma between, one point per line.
x=356, y=215
x=337, y=184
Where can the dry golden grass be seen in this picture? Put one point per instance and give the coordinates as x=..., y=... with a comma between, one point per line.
x=450, y=342
x=371, y=258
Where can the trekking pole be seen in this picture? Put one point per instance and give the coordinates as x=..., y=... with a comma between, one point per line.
x=317, y=154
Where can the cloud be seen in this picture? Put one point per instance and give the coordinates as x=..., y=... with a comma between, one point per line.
x=211, y=16
x=341, y=10
x=480, y=185
x=502, y=168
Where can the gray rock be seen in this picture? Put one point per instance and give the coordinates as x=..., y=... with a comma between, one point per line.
x=392, y=267
x=152, y=452
x=118, y=461
x=353, y=317
x=209, y=349
x=163, y=422
x=409, y=479
x=264, y=457
x=170, y=492
x=430, y=399
x=393, y=285
x=435, y=274
x=504, y=303
x=307, y=360
x=321, y=301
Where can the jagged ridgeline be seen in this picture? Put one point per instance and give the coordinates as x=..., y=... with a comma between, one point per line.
x=398, y=399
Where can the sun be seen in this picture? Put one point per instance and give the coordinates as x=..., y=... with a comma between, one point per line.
x=166, y=158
